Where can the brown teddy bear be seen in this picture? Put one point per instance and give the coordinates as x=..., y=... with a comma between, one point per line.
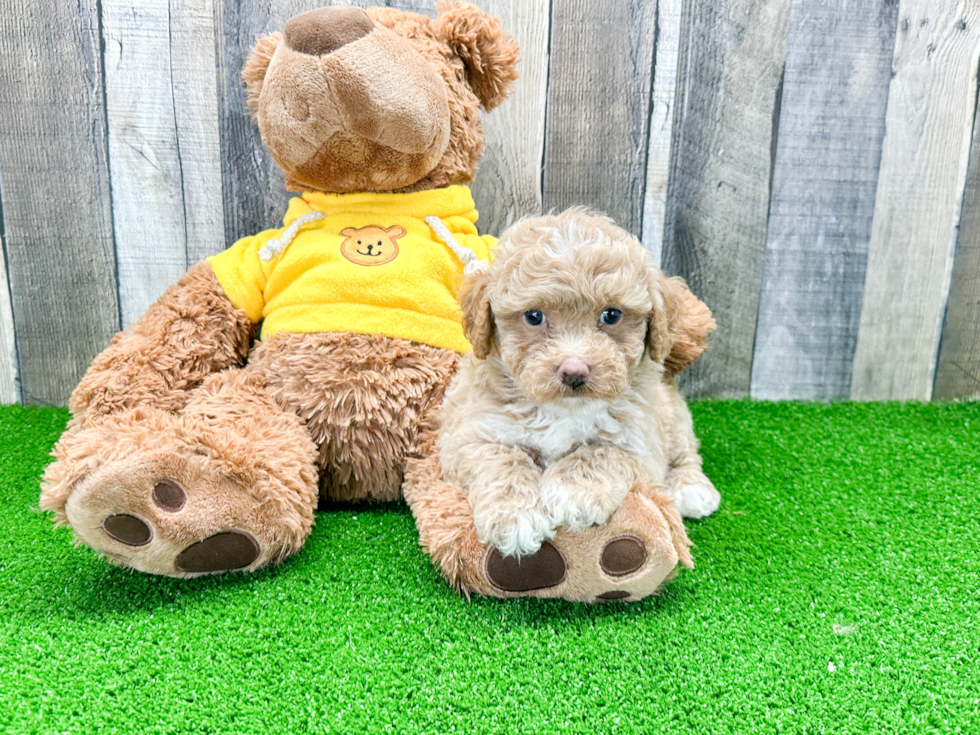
x=191, y=451
x=182, y=459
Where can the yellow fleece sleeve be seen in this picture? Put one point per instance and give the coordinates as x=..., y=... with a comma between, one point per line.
x=243, y=275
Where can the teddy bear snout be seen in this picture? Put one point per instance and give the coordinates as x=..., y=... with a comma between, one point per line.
x=324, y=30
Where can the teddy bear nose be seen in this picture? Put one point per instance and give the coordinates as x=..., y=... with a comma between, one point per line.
x=573, y=372
x=324, y=30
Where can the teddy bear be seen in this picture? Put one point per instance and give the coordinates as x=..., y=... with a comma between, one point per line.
x=308, y=362
x=192, y=451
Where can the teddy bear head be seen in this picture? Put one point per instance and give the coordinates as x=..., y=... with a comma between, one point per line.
x=380, y=100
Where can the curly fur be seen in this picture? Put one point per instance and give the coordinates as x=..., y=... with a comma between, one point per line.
x=532, y=452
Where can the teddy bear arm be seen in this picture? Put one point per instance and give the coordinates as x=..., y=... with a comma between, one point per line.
x=191, y=331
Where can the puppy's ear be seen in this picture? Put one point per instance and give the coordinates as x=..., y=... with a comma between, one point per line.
x=474, y=298
x=489, y=53
x=691, y=332
x=253, y=73
x=663, y=320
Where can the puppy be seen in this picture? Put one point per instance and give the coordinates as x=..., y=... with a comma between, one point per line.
x=565, y=402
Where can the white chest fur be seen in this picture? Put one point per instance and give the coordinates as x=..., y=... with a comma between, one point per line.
x=553, y=432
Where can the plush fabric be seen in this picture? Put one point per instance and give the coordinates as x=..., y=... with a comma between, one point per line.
x=188, y=454
x=322, y=284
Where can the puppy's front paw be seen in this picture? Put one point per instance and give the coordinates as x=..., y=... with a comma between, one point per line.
x=514, y=532
x=577, y=507
x=697, y=500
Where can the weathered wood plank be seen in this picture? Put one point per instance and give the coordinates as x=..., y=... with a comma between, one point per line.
x=508, y=182
x=144, y=163
x=715, y=236
x=254, y=190
x=9, y=392
x=958, y=367
x=599, y=107
x=931, y=103
x=661, y=134
x=164, y=152
x=195, y=90
x=56, y=199
x=831, y=122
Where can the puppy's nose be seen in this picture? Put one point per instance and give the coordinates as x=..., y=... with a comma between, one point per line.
x=324, y=30
x=573, y=372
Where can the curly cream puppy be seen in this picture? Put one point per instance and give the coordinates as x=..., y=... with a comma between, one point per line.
x=565, y=402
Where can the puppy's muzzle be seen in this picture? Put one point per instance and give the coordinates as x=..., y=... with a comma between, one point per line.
x=573, y=372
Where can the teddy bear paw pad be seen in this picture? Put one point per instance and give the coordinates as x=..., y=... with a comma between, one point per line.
x=169, y=495
x=613, y=595
x=224, y=551
x=622, y=556
x=127, y=529
x=544, y=568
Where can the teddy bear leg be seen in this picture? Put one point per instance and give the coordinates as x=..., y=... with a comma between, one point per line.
x=629, y=557
x=366, y=400
x=228, y=483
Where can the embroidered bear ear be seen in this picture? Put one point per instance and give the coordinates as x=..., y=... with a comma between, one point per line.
x=395, y=232
x=489, y=53
x=253, y=73
x=349, y=231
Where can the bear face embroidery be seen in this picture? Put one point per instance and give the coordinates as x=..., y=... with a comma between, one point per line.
x=371, y=245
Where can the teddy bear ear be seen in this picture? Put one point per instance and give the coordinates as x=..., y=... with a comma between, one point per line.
x=396, y=232
x=348, y=232
x=253, y=73
x=489, y=53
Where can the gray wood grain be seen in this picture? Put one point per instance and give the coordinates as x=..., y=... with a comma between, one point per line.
x=253, y=185
x=958, y=366
x=508, y=181
x=661, y=132
x=599, y=107
x=9, y=390
x=931, y=105
x=195, y=97
x=715, y=234
x=164, y=151
x=831, y=123
x=56, y=199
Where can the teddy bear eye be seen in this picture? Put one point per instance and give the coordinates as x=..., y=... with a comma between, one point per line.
x=534, y=318
x=379, y=242
x=610, y=317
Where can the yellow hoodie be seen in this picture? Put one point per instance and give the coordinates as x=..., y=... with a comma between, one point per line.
x=369, y=263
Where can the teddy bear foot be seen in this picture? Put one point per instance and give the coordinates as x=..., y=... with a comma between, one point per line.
x=630, y=557
x=165, y=516
x=167, y=495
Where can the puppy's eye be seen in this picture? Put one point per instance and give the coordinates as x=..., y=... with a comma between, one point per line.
x=610, y=317
x=534, y=318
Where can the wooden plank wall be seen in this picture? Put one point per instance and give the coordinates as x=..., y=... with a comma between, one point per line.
x=831, y=123
x=812, y=167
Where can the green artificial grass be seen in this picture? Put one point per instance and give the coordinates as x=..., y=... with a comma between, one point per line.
x=836, y=590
